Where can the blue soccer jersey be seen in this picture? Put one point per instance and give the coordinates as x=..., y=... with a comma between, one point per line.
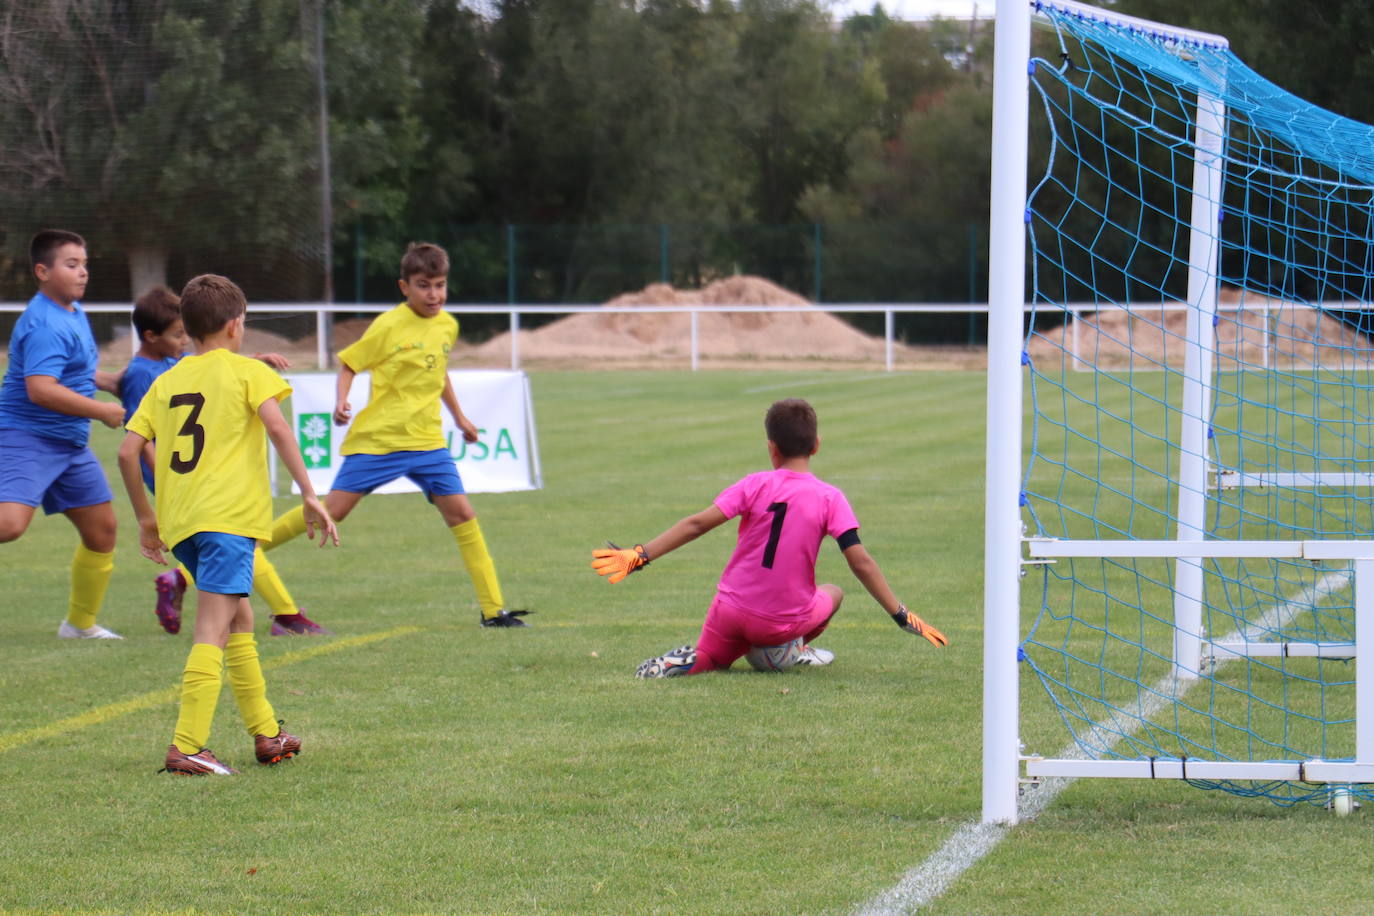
x=138, y=378
x=49, y=340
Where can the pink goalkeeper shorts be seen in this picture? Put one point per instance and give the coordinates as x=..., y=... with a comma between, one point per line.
x=729, y=632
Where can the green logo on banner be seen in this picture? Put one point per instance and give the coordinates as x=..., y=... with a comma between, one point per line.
x=313, y=431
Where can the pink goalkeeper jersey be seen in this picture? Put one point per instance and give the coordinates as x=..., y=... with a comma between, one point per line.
x=784, y=515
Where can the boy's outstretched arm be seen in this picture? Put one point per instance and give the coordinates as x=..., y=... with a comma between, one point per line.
x=315, y=513
x=867, y=571
x=149, y=538
x=617, y=563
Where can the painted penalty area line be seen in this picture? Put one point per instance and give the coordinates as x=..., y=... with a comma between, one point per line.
x=968, y=844
x=111, y=711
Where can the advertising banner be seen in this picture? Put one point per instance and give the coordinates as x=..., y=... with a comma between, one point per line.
x=504, y=458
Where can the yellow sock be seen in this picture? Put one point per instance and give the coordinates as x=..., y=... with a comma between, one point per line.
x=250, y=688
x=269, y=585
x=91, y=573
x=186, y=573
x=288, y=526
x=200, y=684
x=473, y=547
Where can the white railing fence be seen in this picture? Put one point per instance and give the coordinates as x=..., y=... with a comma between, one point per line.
x=1074, y=312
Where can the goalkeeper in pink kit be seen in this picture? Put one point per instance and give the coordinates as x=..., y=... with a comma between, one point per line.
x=767, y=605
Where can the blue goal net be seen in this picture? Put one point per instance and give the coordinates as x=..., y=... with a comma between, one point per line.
x=1249, y=323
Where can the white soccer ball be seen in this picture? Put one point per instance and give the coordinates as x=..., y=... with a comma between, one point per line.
x=775, y=658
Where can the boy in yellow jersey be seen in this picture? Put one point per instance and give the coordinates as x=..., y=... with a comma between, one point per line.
x=157, y=319
x=208, y=414
x=398, y=433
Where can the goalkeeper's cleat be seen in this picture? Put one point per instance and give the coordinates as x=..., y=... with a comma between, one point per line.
x=673, y=664
x=279, y=747
x=94, y=631
x=171, y=588
x=201, y=763
x=505, y=618
x=297, y=624
x=810, y=655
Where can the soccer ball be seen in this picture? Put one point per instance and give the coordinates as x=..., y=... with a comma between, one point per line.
x=775, y=658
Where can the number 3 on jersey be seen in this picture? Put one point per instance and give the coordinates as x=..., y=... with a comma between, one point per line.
x=196, y=401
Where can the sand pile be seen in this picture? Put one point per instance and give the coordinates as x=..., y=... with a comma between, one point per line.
x=810, y=334
x=1251, y=330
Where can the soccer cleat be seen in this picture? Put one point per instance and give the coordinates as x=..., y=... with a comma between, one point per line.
x=297, y=624
x=505, y=618
x=94, y=631
x=810, y=655
x=277, y=748
x=201, y=763
x=672, y=664
x=171, y=588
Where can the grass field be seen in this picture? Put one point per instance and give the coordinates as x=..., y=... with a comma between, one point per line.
x=453, y=769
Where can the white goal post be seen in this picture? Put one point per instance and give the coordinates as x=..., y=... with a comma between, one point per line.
x=1006, y=548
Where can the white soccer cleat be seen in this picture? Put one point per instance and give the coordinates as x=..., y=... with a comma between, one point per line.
x=94, y=631
x=810, y=655
x=672, y=664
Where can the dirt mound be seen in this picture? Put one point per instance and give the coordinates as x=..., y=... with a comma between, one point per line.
x=809, y=334
x=1251, y=331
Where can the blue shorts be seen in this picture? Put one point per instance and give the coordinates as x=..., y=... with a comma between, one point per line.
x=58, y=475
x=220, y=563
x=432, y=471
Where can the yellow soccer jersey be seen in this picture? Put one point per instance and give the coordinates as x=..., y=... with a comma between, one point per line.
x=408, y=358
x=211, y=472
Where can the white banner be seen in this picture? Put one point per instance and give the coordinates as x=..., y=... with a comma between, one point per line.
x=505, y=456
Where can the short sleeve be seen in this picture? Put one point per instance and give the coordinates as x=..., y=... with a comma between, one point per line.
x=46, y=352
x=733, y=500
x=264, y=384
x=841, y=517
x=132, y=387
x=368, y=350
x=142, y=420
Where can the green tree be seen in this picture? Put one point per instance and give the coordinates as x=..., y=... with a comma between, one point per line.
x=176, y=130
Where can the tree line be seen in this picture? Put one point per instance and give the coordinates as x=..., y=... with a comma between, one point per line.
x=679, y=139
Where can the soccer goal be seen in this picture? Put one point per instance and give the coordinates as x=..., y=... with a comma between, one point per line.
x=1179, y=540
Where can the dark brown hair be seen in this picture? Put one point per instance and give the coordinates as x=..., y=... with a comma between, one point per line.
x=424, y=259
x=155, y=310
x=209, y=302
x=791, y=426
x=43, y=248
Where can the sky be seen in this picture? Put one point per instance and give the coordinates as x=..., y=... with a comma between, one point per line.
x=918, y=9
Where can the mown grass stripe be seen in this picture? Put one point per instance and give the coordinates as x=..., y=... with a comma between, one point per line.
x=111, y=711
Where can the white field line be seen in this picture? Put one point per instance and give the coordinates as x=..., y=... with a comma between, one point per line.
x=971, y=842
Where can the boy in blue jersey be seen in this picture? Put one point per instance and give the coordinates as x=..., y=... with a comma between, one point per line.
x=46, y=406
x=162, y=342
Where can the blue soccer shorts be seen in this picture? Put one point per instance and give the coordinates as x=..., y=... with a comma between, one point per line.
x=221, y=564
x=37, y=470
x=433, y=472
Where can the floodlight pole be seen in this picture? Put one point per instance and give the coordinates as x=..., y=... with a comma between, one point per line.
x=1002, y=512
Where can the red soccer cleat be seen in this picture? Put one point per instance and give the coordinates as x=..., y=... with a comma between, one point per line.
x=171, y=588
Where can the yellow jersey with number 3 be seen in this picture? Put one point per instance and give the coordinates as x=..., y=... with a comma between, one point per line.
x=211, y=469
x=408, y=358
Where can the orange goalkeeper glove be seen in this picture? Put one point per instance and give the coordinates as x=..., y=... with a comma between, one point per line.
x=619, y=562
x=913, y=624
